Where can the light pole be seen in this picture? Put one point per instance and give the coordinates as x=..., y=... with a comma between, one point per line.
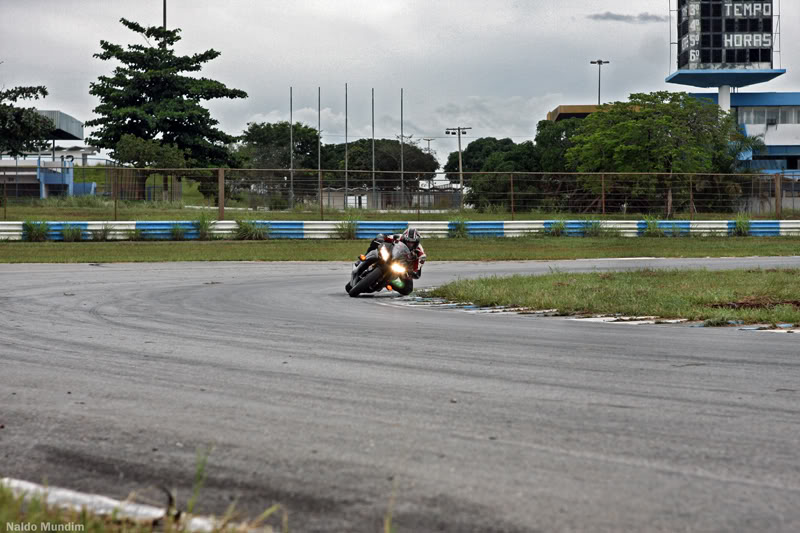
x=429, y=143
x=599, y=64
x=457, y=131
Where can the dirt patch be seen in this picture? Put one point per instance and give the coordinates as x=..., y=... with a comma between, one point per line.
x=755, y=303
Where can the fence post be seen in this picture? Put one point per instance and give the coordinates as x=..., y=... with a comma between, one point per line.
x=221, y=193
x=603, y=192
x=321, y=212
x=512, y=196
x=114, y=188
x=778, y=195
x=691, y=198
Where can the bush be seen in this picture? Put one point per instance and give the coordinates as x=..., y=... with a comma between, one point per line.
x=247, y=230
x=101, y=234
x=277, y=202
x=70, y=233
x=204, y=226
x=135, y=234
x=595, y=228
x=458, y=229
x=347, y=229
x=742, y=227
x=557, y=229
x=33, y=231
x=652, y=229
x=177, y=233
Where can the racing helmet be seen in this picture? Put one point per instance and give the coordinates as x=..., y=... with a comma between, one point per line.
x=411, y=238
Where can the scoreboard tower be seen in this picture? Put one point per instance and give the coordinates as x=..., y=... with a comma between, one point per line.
x=724, y=44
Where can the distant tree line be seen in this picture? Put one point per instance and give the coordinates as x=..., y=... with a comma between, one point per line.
x=151, y=114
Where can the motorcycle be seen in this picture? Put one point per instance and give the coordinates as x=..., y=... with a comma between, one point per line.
x=388, y=266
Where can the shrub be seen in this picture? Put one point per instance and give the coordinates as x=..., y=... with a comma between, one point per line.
x=247, y=230
x=652, y=229
x=177, y=233
x=135, y=234
x=70, y=233
x=347, y=229
x=101, y=234
x=33, y=231
x=204, y=226
x=557, y=229
x=742, y=226
x=458, y=229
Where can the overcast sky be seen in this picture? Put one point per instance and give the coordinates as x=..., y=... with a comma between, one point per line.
x=496, y=65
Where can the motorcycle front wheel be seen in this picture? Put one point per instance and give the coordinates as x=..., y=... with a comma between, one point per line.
x=366, y=282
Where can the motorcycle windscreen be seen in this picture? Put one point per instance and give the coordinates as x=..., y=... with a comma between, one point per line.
x=402, y=254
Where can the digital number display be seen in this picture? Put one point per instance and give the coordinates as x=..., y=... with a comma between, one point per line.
x=725, y=34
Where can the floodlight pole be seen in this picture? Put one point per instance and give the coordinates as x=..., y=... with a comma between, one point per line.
x=428, y=140
x=599, y=64
x=457, y=131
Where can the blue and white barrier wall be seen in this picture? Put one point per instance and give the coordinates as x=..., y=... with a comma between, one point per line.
x=161, y=230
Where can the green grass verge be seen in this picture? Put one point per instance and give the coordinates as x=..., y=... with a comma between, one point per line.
x=750, y=296
x=502, y=249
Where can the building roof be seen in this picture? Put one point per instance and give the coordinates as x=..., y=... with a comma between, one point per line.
x=756, y=99
x=718, y=78
x=67, y=128
x=564, y=112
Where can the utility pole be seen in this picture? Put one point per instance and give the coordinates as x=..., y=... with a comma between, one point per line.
x=374, y=194
x=457, y=131
x=402, y=166
x=291, y=149
x=599, y=64
x=345, y=149
x=164, y=43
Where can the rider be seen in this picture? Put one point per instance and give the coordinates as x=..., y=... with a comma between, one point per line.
x=410, y=238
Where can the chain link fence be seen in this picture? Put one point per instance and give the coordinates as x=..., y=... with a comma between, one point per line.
x=511, y=195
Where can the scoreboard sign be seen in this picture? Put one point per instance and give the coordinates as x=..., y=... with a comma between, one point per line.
x=725, y=34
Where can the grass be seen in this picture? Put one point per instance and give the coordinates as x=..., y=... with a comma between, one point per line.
x=97, y=208
x=21, y=511
x=749, y=296
x=484, y=249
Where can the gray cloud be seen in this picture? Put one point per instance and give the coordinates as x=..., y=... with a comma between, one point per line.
x=641, y=18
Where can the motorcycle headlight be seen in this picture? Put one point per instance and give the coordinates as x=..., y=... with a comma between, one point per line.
x=385, y=255
x=397, y=268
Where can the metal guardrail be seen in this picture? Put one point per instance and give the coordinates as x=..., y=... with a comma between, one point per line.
x=162, y=230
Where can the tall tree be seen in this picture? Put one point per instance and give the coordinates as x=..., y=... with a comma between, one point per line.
x=474, y=156
x=418, y=165
x=22, y=129
x=148, y=96
x=663, y=134
x=266, y=146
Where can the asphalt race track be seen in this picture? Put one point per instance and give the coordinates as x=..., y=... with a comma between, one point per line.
x=112, y=376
